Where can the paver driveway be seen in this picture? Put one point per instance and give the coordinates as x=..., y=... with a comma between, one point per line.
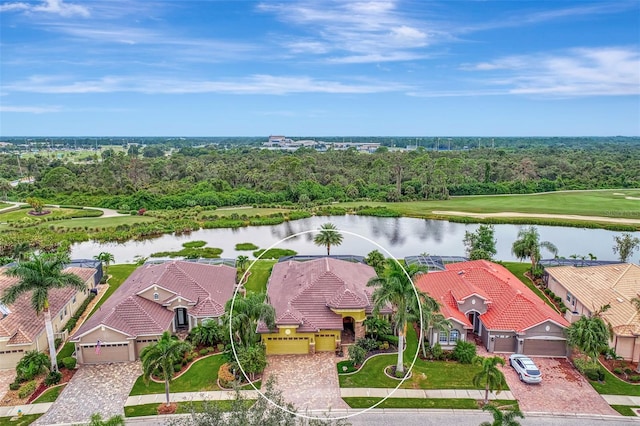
x=6, y=377
x=563, y=390
x=101, y=388
x=309, y=382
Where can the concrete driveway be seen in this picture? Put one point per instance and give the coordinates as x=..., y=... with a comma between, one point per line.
x=563, y=390
x=101, y=388
x=309, y=382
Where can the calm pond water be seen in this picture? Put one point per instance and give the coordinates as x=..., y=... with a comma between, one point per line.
x=399, y=236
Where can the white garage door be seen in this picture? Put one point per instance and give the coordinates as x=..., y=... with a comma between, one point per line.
x=108, y=352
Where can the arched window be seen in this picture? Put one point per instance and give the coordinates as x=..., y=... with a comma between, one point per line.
x=454, y=335
x=156, y=296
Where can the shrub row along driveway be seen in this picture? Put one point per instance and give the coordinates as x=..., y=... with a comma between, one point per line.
x=563, y=390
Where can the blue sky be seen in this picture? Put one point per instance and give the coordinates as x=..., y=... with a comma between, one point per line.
x=314, y=68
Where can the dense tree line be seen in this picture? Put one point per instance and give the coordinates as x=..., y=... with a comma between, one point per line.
x=213, y=176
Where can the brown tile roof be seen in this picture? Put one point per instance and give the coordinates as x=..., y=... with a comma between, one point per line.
x=22, y=325
x=596, y=286
x=303, y=292
x=511, y=304
x=206, y=287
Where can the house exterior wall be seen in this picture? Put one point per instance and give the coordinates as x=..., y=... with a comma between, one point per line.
x=572, y=305
x=162, y=294
x=275, y=346
x=10, y=355
x=624, y=346
x=473, y=303
x=434, y=336
x=541, y=330
x=144, y=341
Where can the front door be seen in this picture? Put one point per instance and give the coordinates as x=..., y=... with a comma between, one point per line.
x=181, y=317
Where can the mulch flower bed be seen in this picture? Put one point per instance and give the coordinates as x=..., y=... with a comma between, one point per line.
x=167, y=409
x=629, y=370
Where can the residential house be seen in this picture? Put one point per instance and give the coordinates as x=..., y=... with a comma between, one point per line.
x=21, y=330
x=319, y=305
x=487, y=303
x=171, y=296
x=586, y=290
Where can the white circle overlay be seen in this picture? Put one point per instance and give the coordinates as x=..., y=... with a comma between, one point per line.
x=328, y=417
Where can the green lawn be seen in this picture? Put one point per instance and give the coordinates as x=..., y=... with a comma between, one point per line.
x=442, y=403
x=425, y=374
x=49, y=395
x=614, y=386
x=25, y=420
x=119, y=273
x=183, y=407
x=97, y=222
x=518, y=269
x=4, y=205
x=20, y=214
x=260, y=271
x=67, y=350
x=625, y=410
x=202, y=376
x=590, y=203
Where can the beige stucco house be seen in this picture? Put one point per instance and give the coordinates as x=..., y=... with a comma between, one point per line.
x=171, y=296
x=584, y=290
x=21, y=330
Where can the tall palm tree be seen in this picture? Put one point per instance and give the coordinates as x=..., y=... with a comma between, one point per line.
x=590, y=335
x=528, y=245
x=489, y=376
x=247, y=311
x=159, y=358
x=396, y=288
x=503, y=417
x=328, y=236
x=106, y=258
x=242, y=262
x=38, y=276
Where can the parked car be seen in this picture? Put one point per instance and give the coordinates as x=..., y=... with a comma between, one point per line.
x=526, y=368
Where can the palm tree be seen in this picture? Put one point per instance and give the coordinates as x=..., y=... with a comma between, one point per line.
x=489, y=376
x=431, y=319
x=242, y=262
x=21, y=251
x=590, y=335
x=106, y=258
x=328, y=236
x=37, y=276
x=503, y=417
x=396, y=288
x=247, y=311
x=159, y=358
x=528, y=245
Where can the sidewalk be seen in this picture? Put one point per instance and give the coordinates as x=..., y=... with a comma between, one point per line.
x=632, y=401
x=12, y=410
x=188, y=396
x=422, y=393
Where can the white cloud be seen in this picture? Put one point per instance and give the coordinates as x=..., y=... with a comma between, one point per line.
x=255, y=84
x=612, y=71
x=30, y=109
x=56, y=7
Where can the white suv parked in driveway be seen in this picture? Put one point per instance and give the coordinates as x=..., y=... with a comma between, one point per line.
x=526, y=369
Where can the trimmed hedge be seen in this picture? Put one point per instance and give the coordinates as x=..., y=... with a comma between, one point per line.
x=27, y=389
x=69, y=326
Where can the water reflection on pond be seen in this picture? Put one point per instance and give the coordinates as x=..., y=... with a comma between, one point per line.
x=400, y=236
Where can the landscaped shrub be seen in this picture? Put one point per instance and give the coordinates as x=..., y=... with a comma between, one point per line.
x=203, y=351
x=464, y=352
x=220, y=347
x=436, y=352
x=383, y=346
x=595, y=374
x=69, y=362
x=393, y=340
x=547, y=291
x=357, y=354
x=27, y=389
x=14, y=386
x=177, y=367
x=367, y=344
x=53, y=378
x=634, y=378
x=32, y=364
x=57, y=342
x=225, y=376
x=591, y=370
x=628, y=371
x=618, y=371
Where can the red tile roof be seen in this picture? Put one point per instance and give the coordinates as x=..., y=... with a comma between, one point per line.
x=206, y=287
x=511, y=304
x=22, y=325
x=303, y=293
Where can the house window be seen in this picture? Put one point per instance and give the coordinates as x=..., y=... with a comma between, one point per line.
x=74, y=299
x=61, y=316
x=454, y=335
x=571, y=299
x=156, y=296
x=443, y=338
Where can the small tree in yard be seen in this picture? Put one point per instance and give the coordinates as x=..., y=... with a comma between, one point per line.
x=590, y=335
x=32, y=364
x=464, y=352
x=528, y=245
x=377, y=327
x=480, y=244
x=357, y=354
x=489, y=376
x=376, y=260
x=626, y=245
x=36, y=204
x=502, y=417
x=253, y=359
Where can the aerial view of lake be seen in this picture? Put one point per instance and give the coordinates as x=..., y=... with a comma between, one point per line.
x=400, y=237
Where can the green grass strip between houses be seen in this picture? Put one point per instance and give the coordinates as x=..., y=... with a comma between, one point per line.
x=183, y=407
x=625, y=410
x=441, y=403
x=24, y=421
x=50, y=394
x=119, y=273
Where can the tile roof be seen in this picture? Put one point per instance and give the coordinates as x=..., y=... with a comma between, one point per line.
x=511, y=304
x=206, y=287
x=596, y=286
x=22, y=325
x=303, y=293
